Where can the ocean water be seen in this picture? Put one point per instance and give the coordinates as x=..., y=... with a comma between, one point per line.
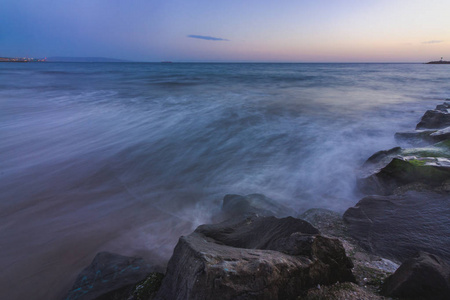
x=126, y=157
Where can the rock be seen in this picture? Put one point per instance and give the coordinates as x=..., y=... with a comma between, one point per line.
x=443, y=107
x=441, y=135
x=381, y=156
x=439, y=150
x=387, y=171
x=434, y=119
x=423, y=276
x=109, y=276
x=253, y=257
x=420, y=138
x=327, y=221
x=339, y=291
x=146, y=290
x=236, y=205
x=369, y=264
x=397, y=226
x=407, y=170
x=369, y=269
x=431, y=121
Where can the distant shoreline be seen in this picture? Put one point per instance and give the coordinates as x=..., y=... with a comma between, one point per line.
x=21, y=59
x=438, y=62
x=113, y=60
x=67, y=59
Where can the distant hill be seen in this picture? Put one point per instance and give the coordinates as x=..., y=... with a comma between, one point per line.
x=83, y=59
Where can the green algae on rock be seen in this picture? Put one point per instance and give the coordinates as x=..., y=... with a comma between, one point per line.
x=147, y=289
x=386, y=171
x=431, y=171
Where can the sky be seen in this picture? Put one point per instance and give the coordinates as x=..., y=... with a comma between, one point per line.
x=228, y=31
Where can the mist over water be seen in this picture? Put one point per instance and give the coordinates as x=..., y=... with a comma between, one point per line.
x=128, y=157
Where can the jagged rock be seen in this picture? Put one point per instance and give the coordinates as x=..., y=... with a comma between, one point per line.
x=441, y=135
x=434, y=127
x=381, y=156
x=109, y=276
x=147, y=289
x=327, y=221
x=434, y=119
x=423, y=137
x=388, y=171
x=439, y=150
x=443, y=107
x=423, y=276
x=236, y=205
x=430, y=171
x=253, y=257
x=397, y=226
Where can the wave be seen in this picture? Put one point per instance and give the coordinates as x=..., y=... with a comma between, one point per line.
x=128, y=157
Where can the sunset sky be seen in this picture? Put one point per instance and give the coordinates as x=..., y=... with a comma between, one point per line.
x=244, y=30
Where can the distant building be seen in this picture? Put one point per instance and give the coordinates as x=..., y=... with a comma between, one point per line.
x=21, y=59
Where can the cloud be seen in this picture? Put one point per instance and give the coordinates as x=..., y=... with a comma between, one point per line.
x=433, y=42
x=204, y=37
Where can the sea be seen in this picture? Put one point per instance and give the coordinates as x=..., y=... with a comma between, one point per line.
x=127, y=157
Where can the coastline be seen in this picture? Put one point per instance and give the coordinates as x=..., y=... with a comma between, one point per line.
x=295, y=133
x=438, y=62
x=427, y=173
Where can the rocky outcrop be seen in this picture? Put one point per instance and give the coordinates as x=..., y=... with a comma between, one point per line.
x=388, y=172
x=431, y=172
x=445, y=107
x=383, y=155
x=436, y=119
x=423, y=137
x=423, y=276
x=109, y=276
x=147, y=289
x=397, y=226
x=409, y=208
x=434, y=127
x=253, y=257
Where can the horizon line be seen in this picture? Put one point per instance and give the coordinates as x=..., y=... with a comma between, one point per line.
x=251, y=62
x=80, y=58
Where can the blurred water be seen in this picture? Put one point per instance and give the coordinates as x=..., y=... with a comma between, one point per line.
x=127, y=157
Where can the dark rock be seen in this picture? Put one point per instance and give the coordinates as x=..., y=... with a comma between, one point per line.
x=443, y=107
x=147, y=289
x=327, y=221
x=341, y=291
x=424, y=276
x=441, y=135
x=386, y=172
x=397, y=226
x=253, y=258
x=236, y=205
x=402, y=171
x=434, y=119
x=421, y=138
x=380, y=156
x=109, y=276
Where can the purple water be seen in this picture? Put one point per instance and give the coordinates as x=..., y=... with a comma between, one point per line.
x=127, y=157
